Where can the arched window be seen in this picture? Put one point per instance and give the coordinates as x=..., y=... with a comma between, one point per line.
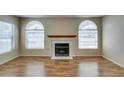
x=88, y=35
x=34, y=35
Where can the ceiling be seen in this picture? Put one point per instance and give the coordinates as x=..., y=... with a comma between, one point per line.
x=52, y=16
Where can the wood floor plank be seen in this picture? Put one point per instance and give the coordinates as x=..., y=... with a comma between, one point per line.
x=44, y=66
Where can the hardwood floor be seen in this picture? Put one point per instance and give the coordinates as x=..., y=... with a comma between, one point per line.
x=44, y=66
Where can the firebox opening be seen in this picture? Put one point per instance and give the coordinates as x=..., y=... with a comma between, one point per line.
x=62, y=49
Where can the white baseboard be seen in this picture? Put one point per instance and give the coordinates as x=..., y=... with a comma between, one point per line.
x=8, y=60
x=88, y=55
x=59, y=58
x=35, y=55
x=72, y=55
x=115, y=62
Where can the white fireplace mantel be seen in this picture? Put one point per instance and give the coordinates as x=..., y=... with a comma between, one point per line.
x=53, y=49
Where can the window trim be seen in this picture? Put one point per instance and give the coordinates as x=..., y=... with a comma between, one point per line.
x=88, y=29
x=32, y=30
x=12, y=38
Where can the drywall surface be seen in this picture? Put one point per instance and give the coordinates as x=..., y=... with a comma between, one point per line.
x=113, y=38
x=60, y=26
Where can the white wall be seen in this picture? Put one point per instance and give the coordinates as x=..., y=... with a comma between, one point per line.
x=10, y=55
x=60, y=26
x=113, y=38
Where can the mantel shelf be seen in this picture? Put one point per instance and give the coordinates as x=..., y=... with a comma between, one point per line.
x=61, y=36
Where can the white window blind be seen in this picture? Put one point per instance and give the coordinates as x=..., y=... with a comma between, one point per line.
x=34, y=35
x=88, y=35
x=6, y=37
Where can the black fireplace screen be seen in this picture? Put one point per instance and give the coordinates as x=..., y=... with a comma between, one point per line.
x=61, y=49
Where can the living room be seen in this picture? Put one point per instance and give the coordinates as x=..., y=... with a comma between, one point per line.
x=61, y=46
x=83, y=40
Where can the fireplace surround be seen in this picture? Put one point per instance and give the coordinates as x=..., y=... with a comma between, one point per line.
x=61, y=49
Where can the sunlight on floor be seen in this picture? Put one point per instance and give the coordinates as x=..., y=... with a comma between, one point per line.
x=88, y=69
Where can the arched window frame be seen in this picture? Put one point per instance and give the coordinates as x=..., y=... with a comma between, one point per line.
x=87, y=28
x=38, y=28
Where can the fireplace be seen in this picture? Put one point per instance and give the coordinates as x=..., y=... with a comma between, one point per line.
x=62, y=49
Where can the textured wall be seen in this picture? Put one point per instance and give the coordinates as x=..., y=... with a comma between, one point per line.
x=113, y=38
x=61, y=26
